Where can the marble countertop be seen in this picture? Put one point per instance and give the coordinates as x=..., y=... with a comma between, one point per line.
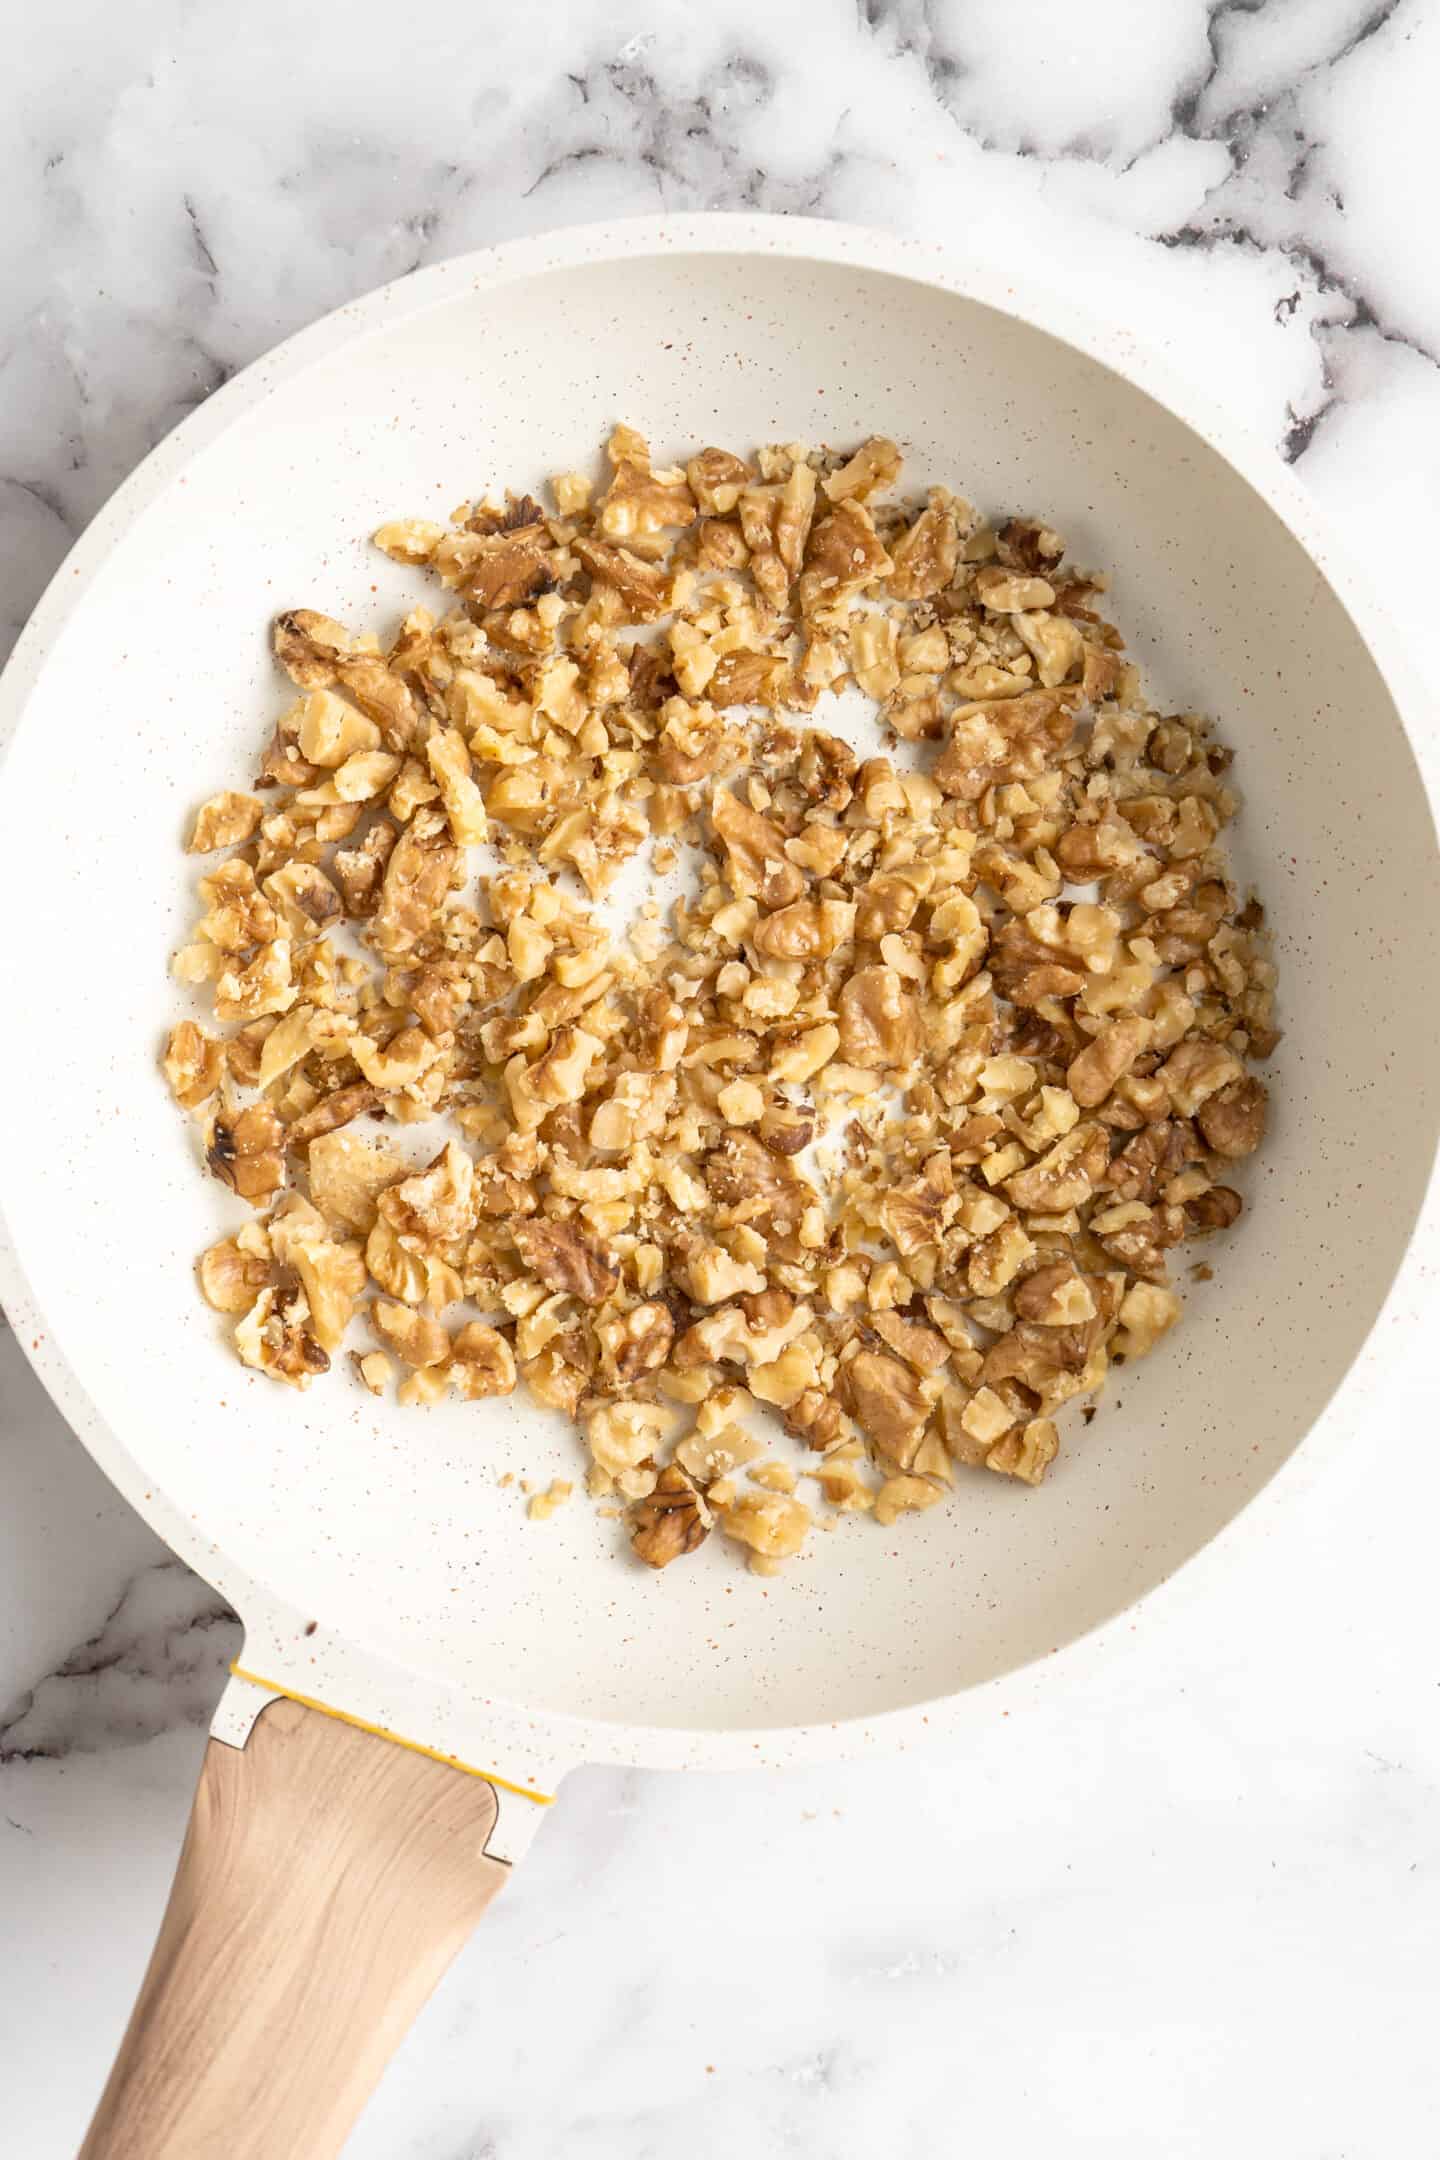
x=1188, y=1908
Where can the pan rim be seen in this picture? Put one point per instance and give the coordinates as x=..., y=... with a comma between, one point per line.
x=808, y=241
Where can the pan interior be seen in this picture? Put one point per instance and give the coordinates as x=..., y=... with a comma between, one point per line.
x=391, y=1525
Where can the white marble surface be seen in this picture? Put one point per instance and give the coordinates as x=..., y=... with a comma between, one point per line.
x=1193, y=1910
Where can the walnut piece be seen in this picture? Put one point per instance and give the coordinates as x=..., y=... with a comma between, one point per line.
x=772, y=1524
x=192, y=1064
x=565, y=1260
x=1233, y=1118
x=672, y=1521
x=246, y=1152
x=482, y=1362
x=226, y=820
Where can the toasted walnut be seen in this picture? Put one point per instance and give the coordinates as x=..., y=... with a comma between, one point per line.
x=331, y=1113
x=1055, y=645
x=274, y=1338
x=748, y=678
x=347, y=1175
x=1197, y=1070
x=246, y=1151
x=1026, y=1452
x=397, y=1063
x=226, y=820
x=712, y=1275
x=919, y=1345
x=886, y=1401
x=555, y=1078
x=879, y=1020
x=304, y=899
x=332, y=1274
x=716, y=479
x=1066, y=1176
x=996, y=1259
x=1094, y=1072
x=624, y=1435
x=674, y=1520
x=373, y=1369
x=843, y=552
x=1054, y=1295
x=1024, y=544
x=409, y=540
x=449, y=761
x=360, y=871
x=806, y=930
x=263, y=985
x=230, y=1278
x=399, y=1271
x=330, y=730
x=875, y=465
x=1010, y=592
x=498, y=569
x=773, y=1525
x=565, y=1260
x=1147, y=1311
x=192, y=1064
x=643, y=587
x=437, y=1204
x=414, y=1339
x=640, y=1343
x=925, y=556
x=310, y=647
x=482, y=1362
x=886, y=904
x=416, y=880
x=1233, y=1119
x=755, y=855
x=905, y=1494
x=882, y=1122
x=1215, y=1209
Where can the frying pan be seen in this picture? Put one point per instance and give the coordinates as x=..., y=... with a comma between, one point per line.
x=421, y=1664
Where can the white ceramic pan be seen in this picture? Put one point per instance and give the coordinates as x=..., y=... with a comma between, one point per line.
x=383, y=1577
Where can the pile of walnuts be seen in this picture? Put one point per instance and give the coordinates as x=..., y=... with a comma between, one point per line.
x=889, y=1127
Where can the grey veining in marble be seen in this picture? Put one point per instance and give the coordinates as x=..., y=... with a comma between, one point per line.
x=1195, y=1911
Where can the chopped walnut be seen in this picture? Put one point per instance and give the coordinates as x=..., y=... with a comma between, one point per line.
x=193, y=1063
x=773, y=1525
x=374, y=1369
x=246, y=1151
x=672, y=1521
x=1094, y=1072
x=886, y=1401
x=274, y=1338
x=1146, y=1312
x=1233, y=1118
x=226, y=820
x=905, y=1494
x=879, y=1021
x=482, y=1362
x=1027, y=1451
x=563, y=1259
x=414, y=1339
x=887, y=1130
x=347, y=1176
x=230, y=1278
x=1197, y=1070
x=1010, y=592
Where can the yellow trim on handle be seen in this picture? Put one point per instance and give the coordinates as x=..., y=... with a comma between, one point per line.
x=383, y=1732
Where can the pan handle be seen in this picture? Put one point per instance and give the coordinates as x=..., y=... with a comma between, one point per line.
x=328, y=1878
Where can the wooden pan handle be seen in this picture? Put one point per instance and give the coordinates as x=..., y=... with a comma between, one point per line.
x=328, y=1878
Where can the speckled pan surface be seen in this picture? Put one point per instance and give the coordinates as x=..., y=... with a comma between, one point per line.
x=145, y=680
